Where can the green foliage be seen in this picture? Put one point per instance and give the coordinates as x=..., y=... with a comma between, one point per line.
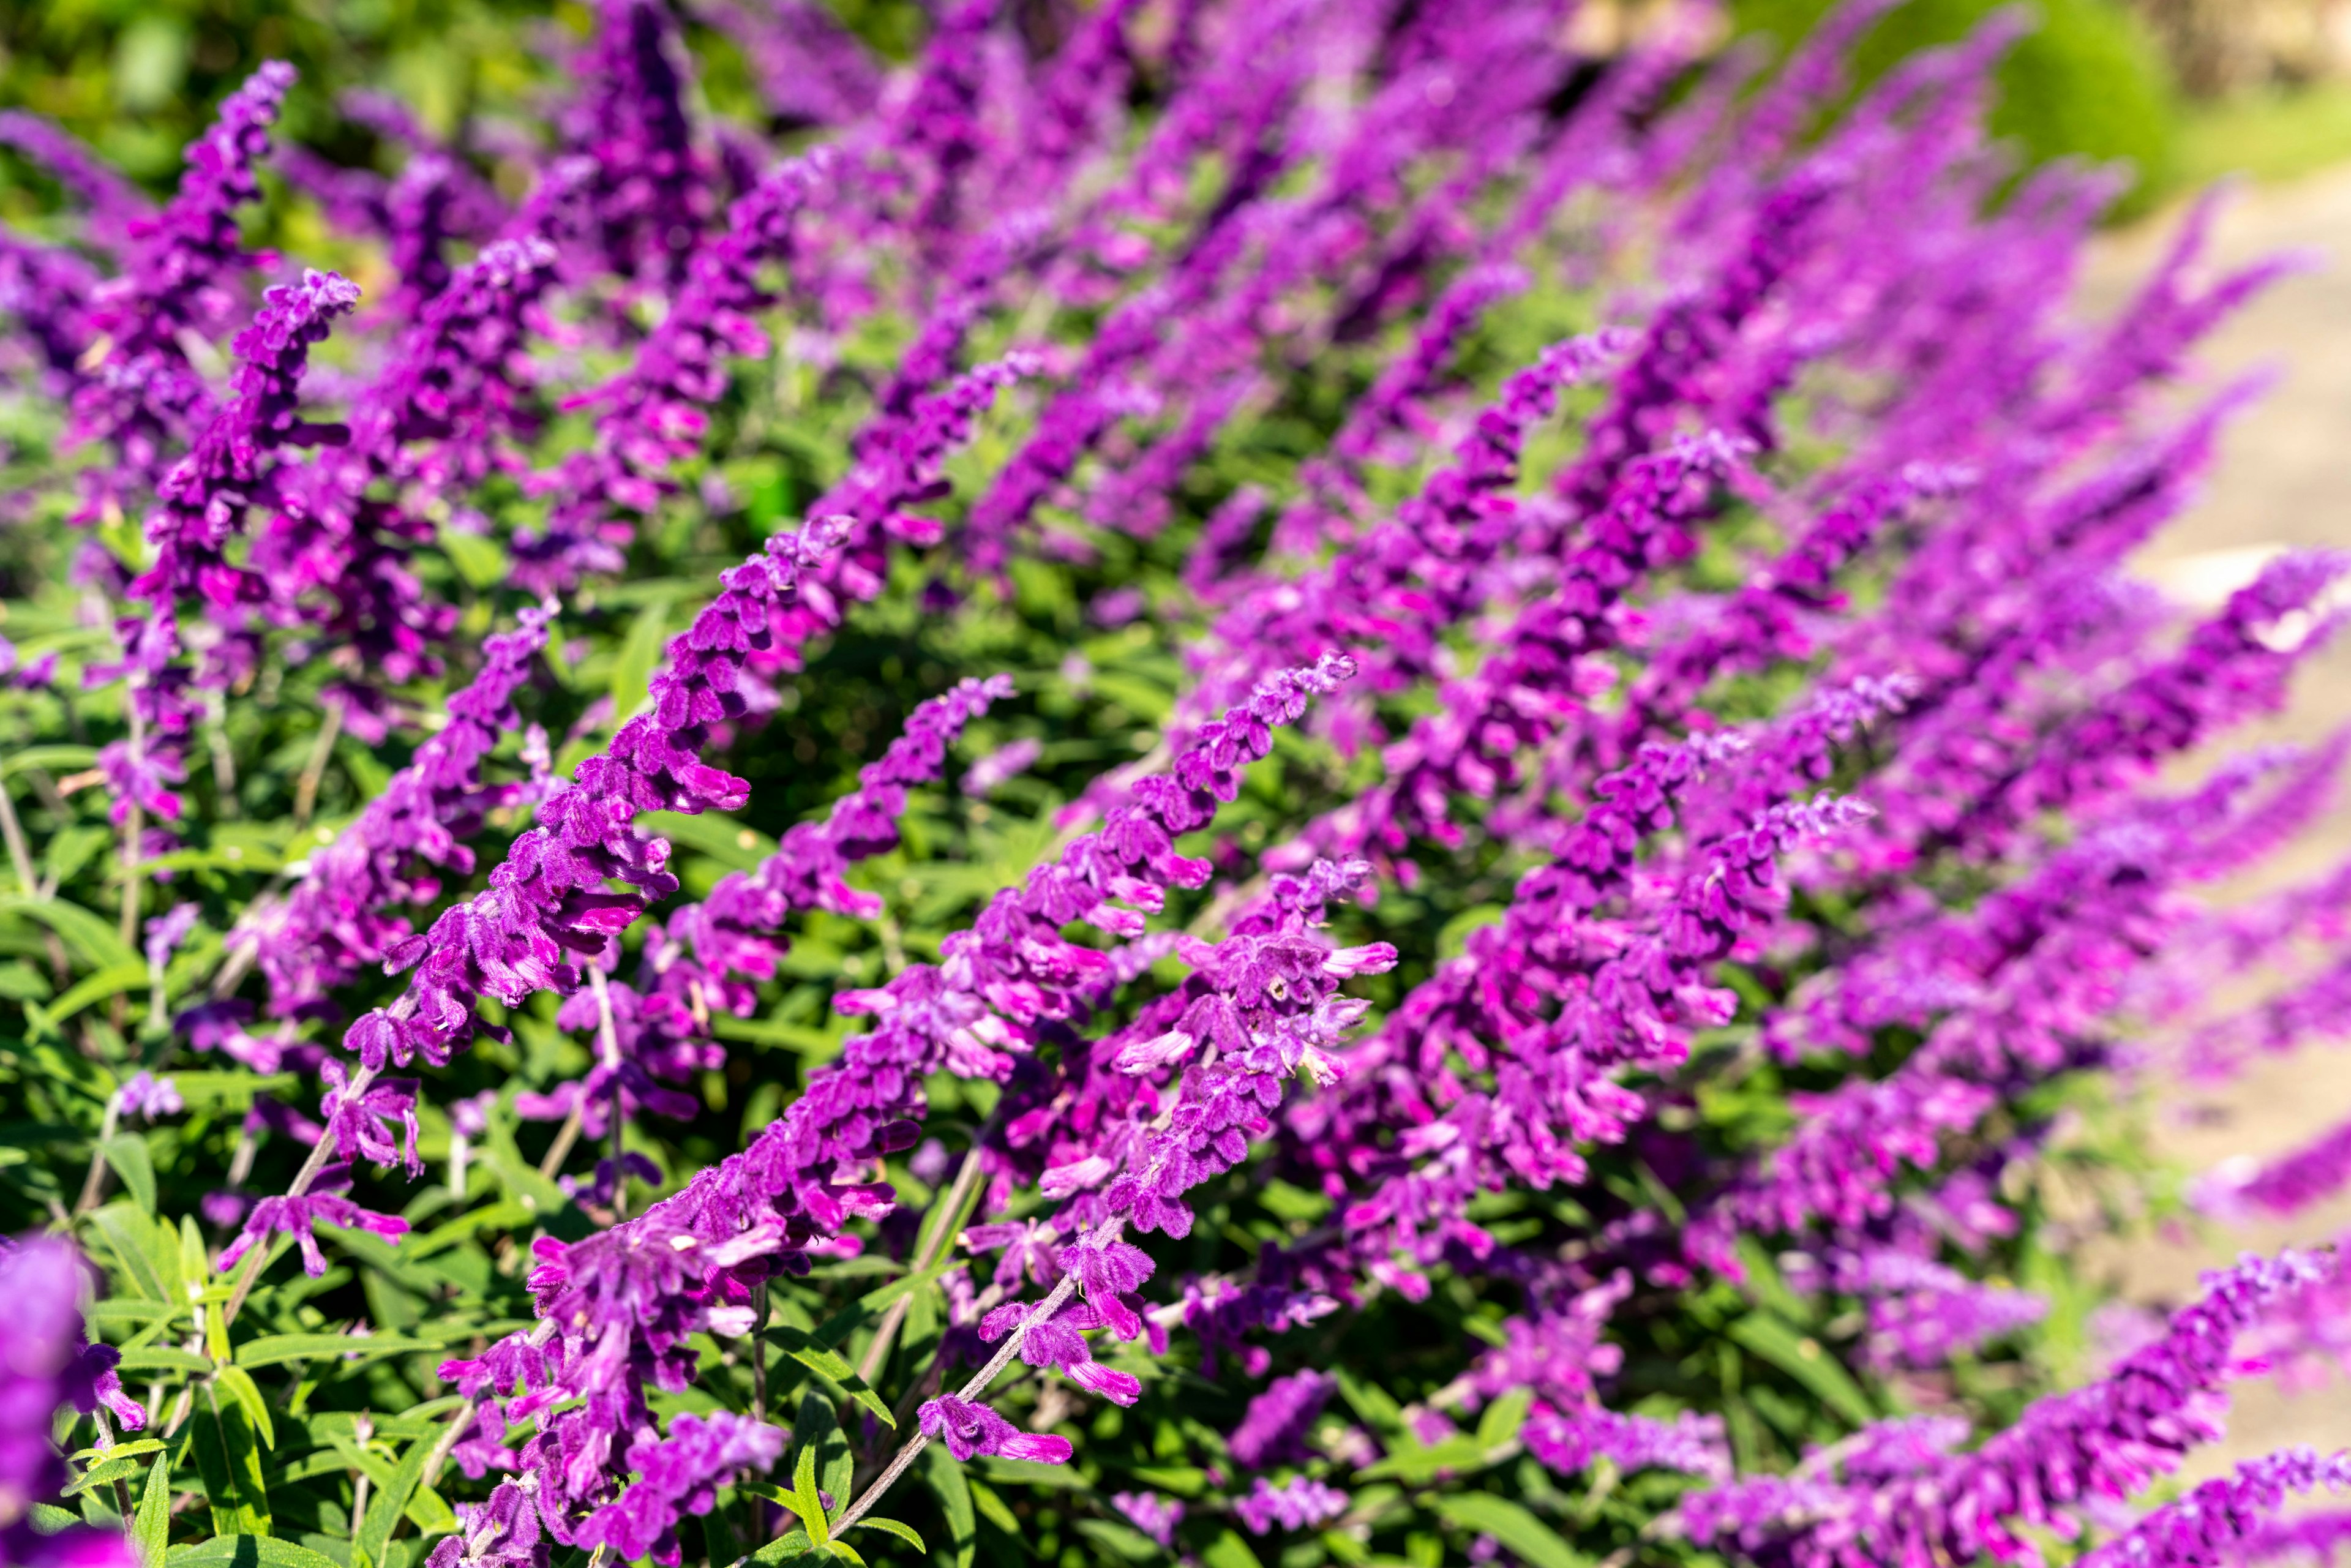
x=2088, y=81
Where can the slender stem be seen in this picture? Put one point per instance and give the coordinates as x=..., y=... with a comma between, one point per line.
x=305, y=788
x=1005, y=1355
x=609, y=1033
x=93, y=1185
x=20, y=854
x=933, y=1245
x=249, y=1273
x=759, y=1352
x=105, y=1440
x=134, y=828
x=565, y=1136
x=216, y=741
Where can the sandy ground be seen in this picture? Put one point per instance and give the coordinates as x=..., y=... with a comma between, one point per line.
x=2284, y=479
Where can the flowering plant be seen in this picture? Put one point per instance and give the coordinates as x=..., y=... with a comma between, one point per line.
x=1309, y=781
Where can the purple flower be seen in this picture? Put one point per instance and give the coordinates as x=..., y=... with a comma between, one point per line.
x=1007, y=761
x=46, y=1365
x=968, y=1428
x=1274, y=1429
x=1151, y=1513
x=1298, y=1504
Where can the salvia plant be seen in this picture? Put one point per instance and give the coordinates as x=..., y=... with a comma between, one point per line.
x=1253, y=781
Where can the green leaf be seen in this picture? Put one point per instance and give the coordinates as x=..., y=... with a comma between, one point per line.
x=105, y=1472
x=785, y=1547
x=151, y=1527
x=1229, y=1551
x=130, y=1236
x=949, y=1484
x=831, y=1363
x=230, y=1462
x=114, y=981
x=818, y=1426
x=391, y=1501
x=633, y=669
x=1805, y=1360
x=476, y=557
x=1121, y=1539
x=723, y=839
x=904, y=1533
x=1764, y=1282
x=272, y=1350
x=127, y=1153
x=239, y=1382
x=165, y=1358
x=842, y=1552
x=56, y=759
x=247, y=1552
x=91, y=940
x=1526, y=1536
x=992, y=1507
x=806, y=1502
x=1415, y=1467
x=1501, y=1422
x=119, y=1450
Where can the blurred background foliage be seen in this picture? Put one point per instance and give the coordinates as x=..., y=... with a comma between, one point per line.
x=2181, y=91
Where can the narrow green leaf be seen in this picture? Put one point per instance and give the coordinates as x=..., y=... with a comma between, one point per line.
x=247, y=1552
x=722, y=838
x=785, y=1547
x=165, y=1358
x=391, y=1501
x=149, y=1253
x=818, y=1424
x=1807, y=1361
x=106, y=1472
x=151, y=1527
x=1526, y=1537
x=1122, y=1540
x=127, y=1153
x=271, y=1350
x=476, y=557
x=91, y=939
x=114, y=981
x=120, y=1451
x=633, y=669
x=868, y=1306
x=842, y=1552
x=229, y=1460
x=992, y=1507
x=949, y=1484
x=1229, y=1551
x=1501, y=1422
x=239, y=1382
x=831, y=1363
x=904, y=1533
x=806, y=1502
x=56, y=759
x=1417, y=1466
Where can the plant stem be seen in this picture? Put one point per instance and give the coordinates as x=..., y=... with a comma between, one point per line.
x=609, y=1033
x=93, y=1185
x=20, y=854
x=134, y=828
x=759, y=1352
x=305, y=788
x=933, y=1245
x=1005, y=1355
x=249, y=1273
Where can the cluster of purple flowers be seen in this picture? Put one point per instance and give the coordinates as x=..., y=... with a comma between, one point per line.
x=1750, y=677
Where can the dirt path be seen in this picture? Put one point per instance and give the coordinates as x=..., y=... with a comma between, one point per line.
x=2284, y=479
